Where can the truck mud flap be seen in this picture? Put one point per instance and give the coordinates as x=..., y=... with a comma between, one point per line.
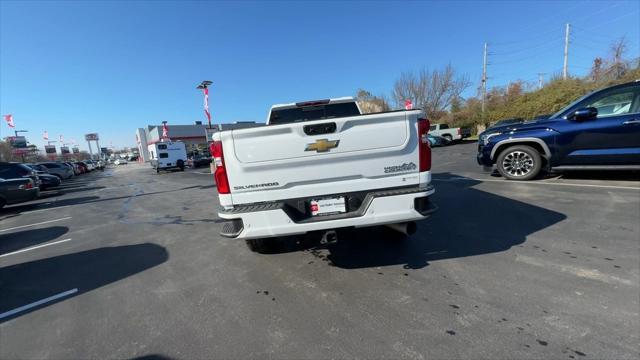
x=232, y=228
x=424, y=206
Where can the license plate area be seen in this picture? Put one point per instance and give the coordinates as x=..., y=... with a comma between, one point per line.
x=327, y=206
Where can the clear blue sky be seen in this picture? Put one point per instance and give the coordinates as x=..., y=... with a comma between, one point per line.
x=75, y=67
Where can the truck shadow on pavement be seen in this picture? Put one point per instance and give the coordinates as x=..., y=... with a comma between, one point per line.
x=29, y=282
x=469, y=222
x=18, y=240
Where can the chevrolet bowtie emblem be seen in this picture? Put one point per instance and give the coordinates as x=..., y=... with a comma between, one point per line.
x=322, y=145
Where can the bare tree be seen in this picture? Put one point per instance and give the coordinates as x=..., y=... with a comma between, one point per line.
x=370, y=103
x=432, y=91
x=596, y=69
x=618, y=68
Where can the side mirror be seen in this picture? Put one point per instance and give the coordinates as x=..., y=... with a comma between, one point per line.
x=582, y=114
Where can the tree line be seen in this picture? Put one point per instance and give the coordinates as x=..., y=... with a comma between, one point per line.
x=439, y=92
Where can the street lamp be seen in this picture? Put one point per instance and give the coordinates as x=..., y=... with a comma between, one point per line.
x=204, y=86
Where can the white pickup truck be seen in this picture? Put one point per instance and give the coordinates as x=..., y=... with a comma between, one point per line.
x=322, y=165
x=449, y=133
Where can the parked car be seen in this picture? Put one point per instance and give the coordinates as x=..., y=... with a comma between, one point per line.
x=89, y=165
x=199, y=160
x=121, y=161
x=14, y=170
x=322, y=165
x=13, y=191
x=73, y=167
x=46, y=180
x=600, y=131
x=58, y=169
x=449, y=133
x=81, y=166
x=435, y=141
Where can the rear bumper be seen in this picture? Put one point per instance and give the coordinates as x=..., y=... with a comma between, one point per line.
x=24, y=196
x=273, y=221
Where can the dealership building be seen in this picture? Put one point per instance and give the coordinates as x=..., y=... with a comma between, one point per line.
x=194, y=136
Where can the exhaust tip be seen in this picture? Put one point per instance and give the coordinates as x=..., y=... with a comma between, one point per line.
x=407, y=228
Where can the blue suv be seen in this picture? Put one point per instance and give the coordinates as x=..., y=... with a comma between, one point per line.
x=598, y=131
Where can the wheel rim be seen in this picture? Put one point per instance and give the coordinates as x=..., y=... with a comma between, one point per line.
x=518, y=163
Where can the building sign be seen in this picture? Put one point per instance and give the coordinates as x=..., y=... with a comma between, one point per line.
x=91, y=137
x=64, y=150
x=17, y=142
x=75, y=150
x=104, y=150
x=50, y=149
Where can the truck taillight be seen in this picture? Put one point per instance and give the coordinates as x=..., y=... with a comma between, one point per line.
x=423, y=145
x=459, y=131
x=220, y=173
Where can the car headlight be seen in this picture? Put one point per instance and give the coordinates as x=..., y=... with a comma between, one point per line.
x=485, y=138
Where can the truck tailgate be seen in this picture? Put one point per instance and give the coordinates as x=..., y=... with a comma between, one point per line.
x=330, y=156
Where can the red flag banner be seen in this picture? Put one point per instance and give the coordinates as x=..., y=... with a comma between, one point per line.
x=408, y=105
x=9, y=119
x=206, y=105
x=165, y=131
x=45, y=136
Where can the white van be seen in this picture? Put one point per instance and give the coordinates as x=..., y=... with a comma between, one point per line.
x=168, y=155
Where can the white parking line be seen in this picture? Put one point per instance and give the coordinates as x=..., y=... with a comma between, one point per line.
x=538, y=183
x=36, y=224
x=34, y=247
x=37, y=303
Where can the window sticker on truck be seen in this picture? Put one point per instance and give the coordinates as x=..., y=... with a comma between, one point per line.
x=400, y=168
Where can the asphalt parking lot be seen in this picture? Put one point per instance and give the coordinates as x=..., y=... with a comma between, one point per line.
x=126, y=263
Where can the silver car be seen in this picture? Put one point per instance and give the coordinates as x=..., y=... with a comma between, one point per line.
x=58, y=169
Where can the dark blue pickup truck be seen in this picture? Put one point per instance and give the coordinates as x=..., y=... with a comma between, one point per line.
x=597, y=132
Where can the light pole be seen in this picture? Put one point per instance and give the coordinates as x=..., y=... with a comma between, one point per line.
x=204, y=86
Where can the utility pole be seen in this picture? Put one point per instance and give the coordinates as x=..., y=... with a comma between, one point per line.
x=566, y=51
x=484, y=78
x=540, y=80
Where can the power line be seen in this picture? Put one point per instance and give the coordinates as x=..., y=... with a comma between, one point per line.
x=529, y=48
x=615, y=19
x=536, y=24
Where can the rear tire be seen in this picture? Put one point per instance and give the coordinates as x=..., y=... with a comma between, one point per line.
x=519, y=162
x=449, y=138
x=181, y=165
x=3, y=202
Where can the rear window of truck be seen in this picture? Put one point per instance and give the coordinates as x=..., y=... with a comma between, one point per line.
x=315, y=112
